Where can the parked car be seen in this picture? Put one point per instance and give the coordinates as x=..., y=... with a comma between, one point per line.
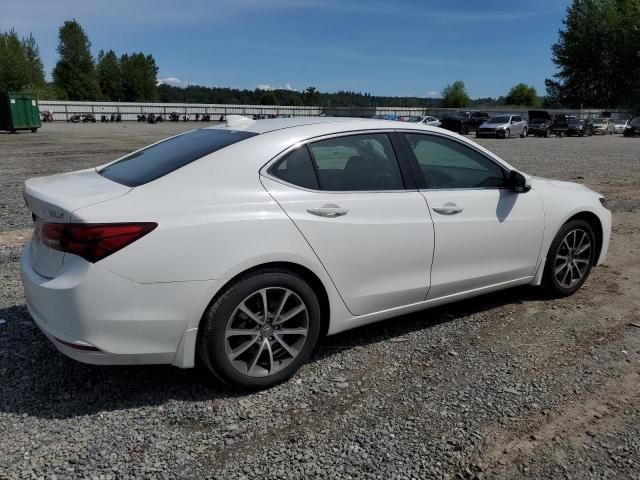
x=503, y=126
x=427, y=120
x=544, y=124
x=603, y=126
x=579, y=127
x=633, y=128
x=387, y=116
x=620, y=124
x=464, y=122
x=119, y=272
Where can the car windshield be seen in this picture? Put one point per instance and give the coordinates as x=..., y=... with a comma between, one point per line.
x=169, y=155
x=599, y=120
x=636, y=122
x=460, y=114
x=501, y=119
x=575, y=121
x=414, y=119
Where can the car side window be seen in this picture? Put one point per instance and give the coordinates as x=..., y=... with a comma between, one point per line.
x=446, y=164
x=517, y=119
x=364, y=162
x=297, y=168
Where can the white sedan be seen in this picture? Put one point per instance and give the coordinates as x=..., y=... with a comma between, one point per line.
x=428, y=120
x=241, y=244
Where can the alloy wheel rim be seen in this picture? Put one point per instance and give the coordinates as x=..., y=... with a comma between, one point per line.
x=572, y=258
x=266, y=331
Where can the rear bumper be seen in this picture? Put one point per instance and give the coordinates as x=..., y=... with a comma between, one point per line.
x=97, y=317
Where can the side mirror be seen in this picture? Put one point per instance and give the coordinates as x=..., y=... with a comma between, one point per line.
x=518, y=182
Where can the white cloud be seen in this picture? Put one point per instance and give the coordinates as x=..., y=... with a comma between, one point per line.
x=433, y=93
x=174, y=82
x=264, y=86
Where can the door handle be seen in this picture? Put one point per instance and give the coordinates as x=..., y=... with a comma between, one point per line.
x=448, y=209
x=328, y=211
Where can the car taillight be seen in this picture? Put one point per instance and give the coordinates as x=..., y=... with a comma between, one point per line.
x=93, y=241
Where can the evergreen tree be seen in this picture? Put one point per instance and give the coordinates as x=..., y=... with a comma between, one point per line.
x=139, y=77
x=75, y=72
x=109, y=75
x=14, y=66
x=598, y=55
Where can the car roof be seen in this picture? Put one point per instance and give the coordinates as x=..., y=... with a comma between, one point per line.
x=273, y=124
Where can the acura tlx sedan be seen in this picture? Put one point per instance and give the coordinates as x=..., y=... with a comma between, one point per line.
x=239, y=245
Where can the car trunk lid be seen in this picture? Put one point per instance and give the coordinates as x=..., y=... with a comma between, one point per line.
x=53, y=199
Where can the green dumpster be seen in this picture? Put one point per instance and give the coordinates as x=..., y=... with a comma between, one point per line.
x=19, y=111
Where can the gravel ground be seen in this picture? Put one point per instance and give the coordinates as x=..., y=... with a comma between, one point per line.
x=509, y=385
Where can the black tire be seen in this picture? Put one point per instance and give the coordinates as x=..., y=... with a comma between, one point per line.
x=507, y=133
x=211, y=340
x=549, y=280
x=547, y=133
x=464, y=130
x=524, y=133
x=34, y=130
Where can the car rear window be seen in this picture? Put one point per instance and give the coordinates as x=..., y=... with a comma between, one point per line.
x=165, y=157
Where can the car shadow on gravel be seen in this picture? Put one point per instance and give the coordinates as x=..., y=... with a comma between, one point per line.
x=36, y=380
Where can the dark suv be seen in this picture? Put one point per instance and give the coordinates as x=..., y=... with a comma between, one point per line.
x=633, y=128
x=464, y=122
x=543, y=124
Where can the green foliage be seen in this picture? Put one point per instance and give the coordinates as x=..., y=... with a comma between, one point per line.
x=20, y=63
x=139, y=77
x=75, y=72
x=523, y=95
x=597, y=55
x=109, y=76
x=268, y=98
x=455, y=95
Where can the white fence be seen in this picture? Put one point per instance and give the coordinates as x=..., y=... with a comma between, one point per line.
x=63, y=109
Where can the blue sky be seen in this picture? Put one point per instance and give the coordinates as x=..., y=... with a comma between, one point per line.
x=382, y=47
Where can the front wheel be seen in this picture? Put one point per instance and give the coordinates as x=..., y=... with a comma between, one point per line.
x=524, y=133
x=507, y=133
x=261, y=329
x=570, y=258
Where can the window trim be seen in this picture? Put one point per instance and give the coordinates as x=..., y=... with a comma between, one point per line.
x=406, y=174
x=421, y=181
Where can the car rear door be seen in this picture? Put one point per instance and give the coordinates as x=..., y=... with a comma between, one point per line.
x=361, y=214
x=485, y=234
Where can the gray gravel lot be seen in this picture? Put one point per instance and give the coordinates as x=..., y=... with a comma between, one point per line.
x=510, y=385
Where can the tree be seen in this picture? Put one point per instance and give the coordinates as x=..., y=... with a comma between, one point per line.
x=109, y=75
x=139, y=77
x=455, y=95
x=14, y=69
x=311, y=97
x=597, y=54
x=523, y=95
x=35, y=69
x=75, y=72
x=268, y=98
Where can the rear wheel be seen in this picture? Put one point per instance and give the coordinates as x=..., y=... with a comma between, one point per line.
x=570, y=258
x=261, y=329
x=464, y=130
x=524, y=133
x=547, y=132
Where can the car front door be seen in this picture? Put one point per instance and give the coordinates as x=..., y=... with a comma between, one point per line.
x=351, y=200
x=485, y=233
x=518, y=126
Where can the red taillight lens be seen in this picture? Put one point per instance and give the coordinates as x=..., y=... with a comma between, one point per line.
x=93, y=241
